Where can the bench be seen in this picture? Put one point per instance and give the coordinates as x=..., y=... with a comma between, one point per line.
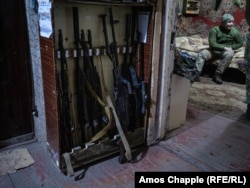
x=187, y=49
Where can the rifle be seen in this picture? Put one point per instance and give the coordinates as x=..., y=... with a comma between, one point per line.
x=91, y=76
x=122, y=89
x=64, y=138
x=138, y=81
x=129, y=73
x=66, y=122
x=95, y=79
x=138, y=98
x=79, y=75
x=96, y=82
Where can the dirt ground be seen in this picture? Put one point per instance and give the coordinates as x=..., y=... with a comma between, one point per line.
x=226, y=100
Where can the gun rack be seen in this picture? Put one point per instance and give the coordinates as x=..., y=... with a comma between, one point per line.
x=98, y=51
x=81, y=151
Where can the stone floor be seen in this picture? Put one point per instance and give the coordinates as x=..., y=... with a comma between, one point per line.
x=207, y=142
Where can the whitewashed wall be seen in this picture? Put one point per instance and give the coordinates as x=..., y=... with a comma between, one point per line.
x=33, y=29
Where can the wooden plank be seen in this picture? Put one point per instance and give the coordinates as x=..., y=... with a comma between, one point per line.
x=104, y=149
x=152, y=134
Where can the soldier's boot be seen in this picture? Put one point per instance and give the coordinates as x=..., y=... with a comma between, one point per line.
x=217, y=78
x=195, y=76
x=248, y=111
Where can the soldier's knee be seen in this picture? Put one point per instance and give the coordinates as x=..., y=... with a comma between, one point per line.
x=228, y=54
x=205, y=54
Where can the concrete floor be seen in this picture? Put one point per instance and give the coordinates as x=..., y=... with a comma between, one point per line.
x=207, y=142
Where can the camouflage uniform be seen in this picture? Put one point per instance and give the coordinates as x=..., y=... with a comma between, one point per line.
x=223, y=40
x=205, y=55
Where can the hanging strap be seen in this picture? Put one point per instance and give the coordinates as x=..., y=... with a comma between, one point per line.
x=107, y=110
x=117, y=121
x=101, y=133
x=70, y=171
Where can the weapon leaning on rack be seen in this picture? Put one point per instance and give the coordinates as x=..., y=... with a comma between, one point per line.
x=121, y=91
x=95, y=116
x=67, y=125
x=91, y=109
x=90, y=98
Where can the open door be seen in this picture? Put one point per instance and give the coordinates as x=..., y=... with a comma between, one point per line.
x=16, y=121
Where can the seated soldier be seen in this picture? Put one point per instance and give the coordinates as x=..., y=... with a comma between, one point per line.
x=223, y=40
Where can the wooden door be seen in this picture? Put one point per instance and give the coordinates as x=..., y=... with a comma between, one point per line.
x=16, y=122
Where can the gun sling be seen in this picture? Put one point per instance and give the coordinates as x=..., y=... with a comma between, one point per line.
x=117, y=121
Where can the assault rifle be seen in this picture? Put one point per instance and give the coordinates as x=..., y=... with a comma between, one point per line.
x=129, y=73
x=122, y=88
x=138, y=79
x=66, y=123
x=79, y=83
x=91, y=76
x=96, y=84
x=96, y=79
x=138, y=98
x=89, y=110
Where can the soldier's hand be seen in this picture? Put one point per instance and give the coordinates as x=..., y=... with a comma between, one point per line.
x=228, y=49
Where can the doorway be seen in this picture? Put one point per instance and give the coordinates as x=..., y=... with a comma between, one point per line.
x=16, y=119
